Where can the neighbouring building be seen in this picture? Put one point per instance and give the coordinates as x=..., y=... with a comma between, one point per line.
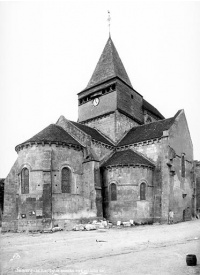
x=122, y=160
x=1, y=198
x=197, y=186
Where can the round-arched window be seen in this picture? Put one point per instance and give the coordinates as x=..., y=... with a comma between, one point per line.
x=148, y=119
x=113, y=192
x=66, y=179
x=143, y=191
x=25, y=181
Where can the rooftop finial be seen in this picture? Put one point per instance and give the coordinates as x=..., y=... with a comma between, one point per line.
x=109, y=18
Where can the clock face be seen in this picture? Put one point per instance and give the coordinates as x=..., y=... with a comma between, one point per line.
x=96, y=101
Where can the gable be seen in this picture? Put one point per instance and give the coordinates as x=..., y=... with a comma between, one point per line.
x=82, y=133
x=179, y=136
x=92, y=132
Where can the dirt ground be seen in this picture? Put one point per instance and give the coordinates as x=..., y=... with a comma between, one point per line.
x=149, y=250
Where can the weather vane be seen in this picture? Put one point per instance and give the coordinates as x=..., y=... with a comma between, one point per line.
x=109, y=18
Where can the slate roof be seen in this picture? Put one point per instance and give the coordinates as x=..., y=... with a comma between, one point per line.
x=127, y=157
x=152, y=109
x=108, y=66
x=52, y=133
x=92, y=132
x=146, y=131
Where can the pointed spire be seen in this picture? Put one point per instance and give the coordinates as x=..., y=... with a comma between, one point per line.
x=109, y=66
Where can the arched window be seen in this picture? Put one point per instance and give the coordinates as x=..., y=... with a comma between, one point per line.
x=183, y=165
x=143, y=191
x=25, y=181
x=113, y=192
x=66, y=180
x=148, y=119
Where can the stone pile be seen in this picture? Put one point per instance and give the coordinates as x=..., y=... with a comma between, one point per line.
x=103, y=224
x=125, y=224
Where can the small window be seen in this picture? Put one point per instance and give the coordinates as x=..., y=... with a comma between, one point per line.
x=143, y=191
x=113, y=192
x=183, y=165
x=25, y=181
x=66, y=180
x=132, y=96
x=148, y=119
x=113, y=87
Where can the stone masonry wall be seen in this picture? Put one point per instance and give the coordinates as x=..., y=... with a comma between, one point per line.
x=9, y=222
x=128, y=204
x=105, y=124
x=154, y=151
x=74, y=131
x=114, y=126
x=46, y=205
x=75, y=206
x=180, y=141
x=100, y=150
x=169, y=187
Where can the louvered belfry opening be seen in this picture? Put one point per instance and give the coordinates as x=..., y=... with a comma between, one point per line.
x=66, y=180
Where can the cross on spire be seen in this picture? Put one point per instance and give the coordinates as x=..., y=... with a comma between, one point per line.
x=109, y=19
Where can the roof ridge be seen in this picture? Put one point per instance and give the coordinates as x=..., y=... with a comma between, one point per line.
x=93, y=129
x=112, y=45
x=77, y=127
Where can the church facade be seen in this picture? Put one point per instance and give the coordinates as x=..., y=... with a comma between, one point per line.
x=122, y=160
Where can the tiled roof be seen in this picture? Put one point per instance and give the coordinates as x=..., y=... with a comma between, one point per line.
x=152, y=109
x=127, y=157
x=146, y=131
x=92, y=132
x=108, y=66
x=53, y=133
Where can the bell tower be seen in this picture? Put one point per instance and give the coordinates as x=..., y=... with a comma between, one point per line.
x=109, y=103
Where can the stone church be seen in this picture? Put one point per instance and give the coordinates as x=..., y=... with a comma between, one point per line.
x=122, y=160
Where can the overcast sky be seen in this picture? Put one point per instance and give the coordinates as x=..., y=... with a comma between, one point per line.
x=48, y=51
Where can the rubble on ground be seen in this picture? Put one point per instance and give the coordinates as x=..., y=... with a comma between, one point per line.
x=95, y=225
x=105, y=224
